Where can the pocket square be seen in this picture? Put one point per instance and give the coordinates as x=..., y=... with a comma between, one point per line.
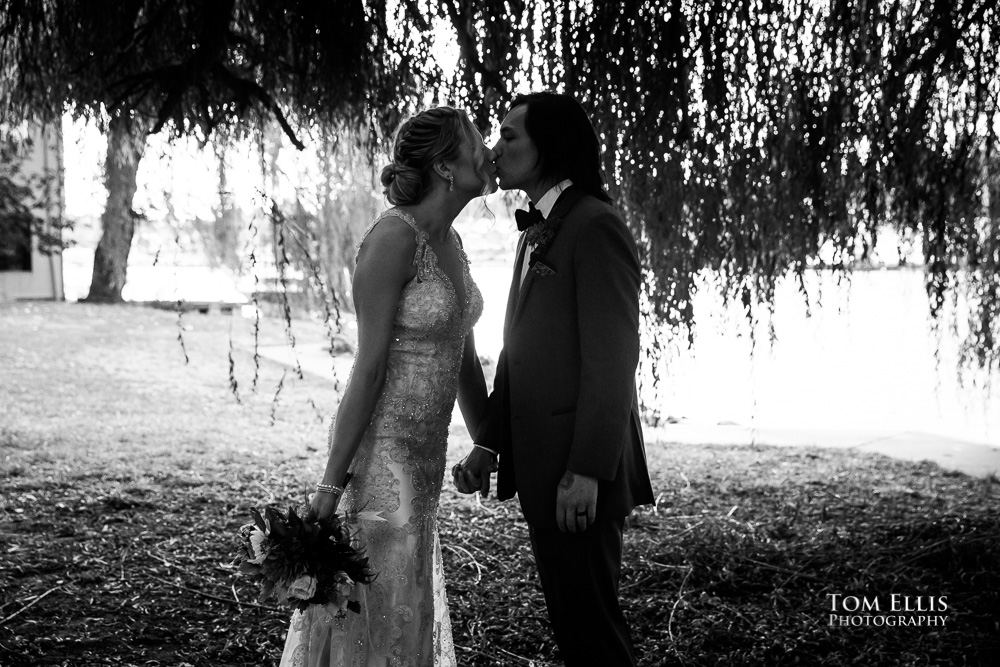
x=540, y=266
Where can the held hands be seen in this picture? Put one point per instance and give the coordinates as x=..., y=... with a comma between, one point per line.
x=576, y=502
x=473, y=474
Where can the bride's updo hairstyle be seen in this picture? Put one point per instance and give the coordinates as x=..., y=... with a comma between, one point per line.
x=431, y=136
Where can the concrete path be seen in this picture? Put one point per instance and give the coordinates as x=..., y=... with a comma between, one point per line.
x=971, y=458
x=313, y=358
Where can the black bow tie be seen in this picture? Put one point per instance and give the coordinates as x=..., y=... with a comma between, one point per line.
x=528, y=218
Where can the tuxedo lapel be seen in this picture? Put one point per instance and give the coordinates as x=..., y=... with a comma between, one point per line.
x=562, y=206
x=513, y=297
x=525, y=286
x=565, y=202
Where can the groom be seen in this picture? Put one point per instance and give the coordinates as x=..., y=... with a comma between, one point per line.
x=563, y=416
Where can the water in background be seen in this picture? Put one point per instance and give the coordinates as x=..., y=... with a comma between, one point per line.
x=864, y=360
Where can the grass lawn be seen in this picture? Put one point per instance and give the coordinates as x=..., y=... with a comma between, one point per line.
x=125, y=474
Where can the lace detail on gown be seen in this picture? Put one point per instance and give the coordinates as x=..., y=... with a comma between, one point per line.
x=398, y=472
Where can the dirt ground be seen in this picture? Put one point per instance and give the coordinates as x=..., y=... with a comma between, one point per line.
x=125, y=472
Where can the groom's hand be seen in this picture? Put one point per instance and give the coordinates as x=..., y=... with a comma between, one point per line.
x=576, y=502
x=473, y=474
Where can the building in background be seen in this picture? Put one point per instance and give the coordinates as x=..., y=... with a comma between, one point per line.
x=32, y=181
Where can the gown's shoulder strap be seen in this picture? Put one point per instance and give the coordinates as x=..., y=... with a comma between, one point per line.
x=420, y=258
x=456, y=239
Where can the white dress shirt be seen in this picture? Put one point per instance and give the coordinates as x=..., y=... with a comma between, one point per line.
x=544, y=206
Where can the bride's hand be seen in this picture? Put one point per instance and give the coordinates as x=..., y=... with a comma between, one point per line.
x=458, y=477
x=322, y=506
x=473, y=474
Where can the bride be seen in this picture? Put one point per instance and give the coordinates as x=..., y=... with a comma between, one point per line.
x=416, y=305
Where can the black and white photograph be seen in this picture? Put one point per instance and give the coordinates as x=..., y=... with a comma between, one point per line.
x=499, y=333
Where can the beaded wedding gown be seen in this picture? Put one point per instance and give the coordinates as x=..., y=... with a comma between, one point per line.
x=398, y=472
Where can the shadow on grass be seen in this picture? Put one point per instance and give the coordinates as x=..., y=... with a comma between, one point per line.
x=105, y=571
x=741, y=567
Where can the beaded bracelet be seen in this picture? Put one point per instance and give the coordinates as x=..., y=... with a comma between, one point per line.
x=330, y=488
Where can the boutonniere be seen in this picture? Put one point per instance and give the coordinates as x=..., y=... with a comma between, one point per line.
x=540, y=234
x=540, y=266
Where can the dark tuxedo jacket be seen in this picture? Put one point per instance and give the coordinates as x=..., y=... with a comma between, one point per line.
x=564, y=397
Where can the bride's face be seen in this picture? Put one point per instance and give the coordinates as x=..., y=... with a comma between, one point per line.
x=476, y=171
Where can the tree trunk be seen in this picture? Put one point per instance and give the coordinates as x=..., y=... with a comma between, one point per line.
x=126, y=143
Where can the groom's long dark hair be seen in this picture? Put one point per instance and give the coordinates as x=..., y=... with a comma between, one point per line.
x=567, y=144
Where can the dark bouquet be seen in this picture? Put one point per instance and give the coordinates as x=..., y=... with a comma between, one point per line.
x=300, y=563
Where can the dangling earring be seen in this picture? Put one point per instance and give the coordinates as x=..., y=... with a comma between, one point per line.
x=451, y=182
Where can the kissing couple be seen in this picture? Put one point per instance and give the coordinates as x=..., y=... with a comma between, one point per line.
x=561, y=426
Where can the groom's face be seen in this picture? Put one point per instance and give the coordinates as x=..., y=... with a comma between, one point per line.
x=516, y=154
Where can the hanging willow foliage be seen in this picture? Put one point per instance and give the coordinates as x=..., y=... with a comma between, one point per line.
x=751, y=140
x=200, y=67
x=757, y=133
x=746, y=140
x=196, y=68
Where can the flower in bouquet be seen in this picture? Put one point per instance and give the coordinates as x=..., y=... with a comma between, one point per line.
x=303, y=588
x=300, y=563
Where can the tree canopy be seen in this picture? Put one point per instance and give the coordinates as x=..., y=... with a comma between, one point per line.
x=747, y=140
x=198, y=66
x=232, y=66
x=755, y=140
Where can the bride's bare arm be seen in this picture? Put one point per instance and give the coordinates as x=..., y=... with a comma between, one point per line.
x=473, y=474
x=385, y=265
x=471, y=387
